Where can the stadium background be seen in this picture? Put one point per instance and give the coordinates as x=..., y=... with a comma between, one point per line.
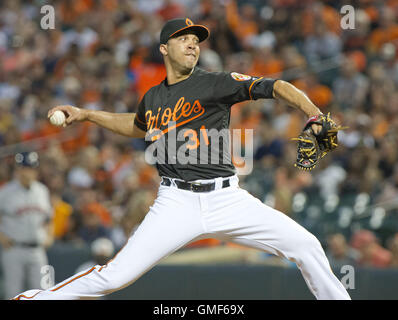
x=104, y=55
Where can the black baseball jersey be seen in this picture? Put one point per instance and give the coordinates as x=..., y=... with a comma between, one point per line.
x=187, y=123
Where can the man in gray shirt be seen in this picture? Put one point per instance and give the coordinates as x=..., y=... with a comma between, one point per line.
x=25, y=226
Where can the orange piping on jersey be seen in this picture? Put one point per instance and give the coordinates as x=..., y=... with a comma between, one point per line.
x=75, y=278
x=250, y=88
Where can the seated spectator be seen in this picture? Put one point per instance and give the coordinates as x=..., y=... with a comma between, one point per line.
x=339, y=252
x=371, y=253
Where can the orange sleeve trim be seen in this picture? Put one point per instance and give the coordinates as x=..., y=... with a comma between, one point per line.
x=250, y=88
x=75, y=278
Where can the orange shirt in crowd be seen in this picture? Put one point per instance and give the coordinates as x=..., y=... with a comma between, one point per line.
x=62, y=212
x=71, y=141
x=44, y=129
x=381, y=128
x=71, y=10
x=100, y=211
x=91, y=95
x=171, y=11
x=329, y=16
x=148, y=74
x=359, y=59
x=109, y=5
x=381, y=36
x=240, y=27
x=372, y=13
x=263, y=68
x=319, y=94
x=79, y=138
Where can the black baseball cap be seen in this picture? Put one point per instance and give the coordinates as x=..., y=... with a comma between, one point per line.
x=175, y=26
x=27, y=159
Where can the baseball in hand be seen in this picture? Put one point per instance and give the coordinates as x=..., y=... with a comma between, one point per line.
x=58, y=118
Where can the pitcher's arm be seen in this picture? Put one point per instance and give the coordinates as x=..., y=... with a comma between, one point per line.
x=121, y=123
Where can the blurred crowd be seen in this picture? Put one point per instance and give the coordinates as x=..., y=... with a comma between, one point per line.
x=104, y=55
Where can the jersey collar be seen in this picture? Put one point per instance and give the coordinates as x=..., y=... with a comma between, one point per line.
x=195, y=70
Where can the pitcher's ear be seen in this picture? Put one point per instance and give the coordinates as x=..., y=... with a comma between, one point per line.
x=163, y=49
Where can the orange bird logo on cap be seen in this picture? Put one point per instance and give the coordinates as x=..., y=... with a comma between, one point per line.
x=188, y=22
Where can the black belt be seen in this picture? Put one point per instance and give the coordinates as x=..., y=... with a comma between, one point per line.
x=194, y=186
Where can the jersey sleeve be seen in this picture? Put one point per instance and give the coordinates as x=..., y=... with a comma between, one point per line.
x=139, y=119
x=233, y=87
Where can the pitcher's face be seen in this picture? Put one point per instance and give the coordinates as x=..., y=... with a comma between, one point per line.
x=183, y=51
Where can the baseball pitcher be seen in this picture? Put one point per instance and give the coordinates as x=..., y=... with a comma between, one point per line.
x=184, y=120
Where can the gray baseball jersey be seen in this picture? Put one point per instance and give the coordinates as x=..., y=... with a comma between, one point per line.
x=24, y=212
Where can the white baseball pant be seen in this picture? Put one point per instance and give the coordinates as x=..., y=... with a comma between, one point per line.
x=178, y=217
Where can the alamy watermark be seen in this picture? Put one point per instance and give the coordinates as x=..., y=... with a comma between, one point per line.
x=48, y=19
x=203, y=146
x=48, y=277
x=348, y=280
x=348, y=20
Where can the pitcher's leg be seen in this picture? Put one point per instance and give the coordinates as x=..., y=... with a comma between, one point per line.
x=166, y=228
x=252, y=223
x=312, y=263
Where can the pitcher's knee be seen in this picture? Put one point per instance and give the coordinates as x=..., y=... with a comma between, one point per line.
x=113, y=281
